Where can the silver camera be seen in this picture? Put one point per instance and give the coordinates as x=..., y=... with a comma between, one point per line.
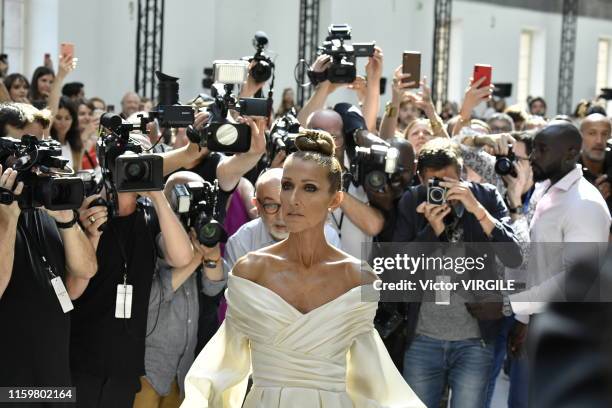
x=436, y=194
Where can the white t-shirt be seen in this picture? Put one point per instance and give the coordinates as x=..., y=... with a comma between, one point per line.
x=67, y=153
x=351, y=237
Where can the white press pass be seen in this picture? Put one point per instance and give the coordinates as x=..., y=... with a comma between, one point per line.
x=123, y=306
x=62, y=295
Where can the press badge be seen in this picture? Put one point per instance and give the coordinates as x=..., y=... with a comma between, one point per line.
x=123, y=307
x=62, y=295
x=443, y=295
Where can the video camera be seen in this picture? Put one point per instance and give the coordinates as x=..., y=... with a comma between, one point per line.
x=219, y=134
x=122, y=160
x=282, y=135
x=263, y=68
x=373, y=167
x=168, y=112
x=196, y=205
x=42, y=170
x=342, y=68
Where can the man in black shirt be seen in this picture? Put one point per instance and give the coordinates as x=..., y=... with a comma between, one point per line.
x=40, y=252
x=107, y=349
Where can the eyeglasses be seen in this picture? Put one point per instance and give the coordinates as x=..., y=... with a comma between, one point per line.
x=270, y=208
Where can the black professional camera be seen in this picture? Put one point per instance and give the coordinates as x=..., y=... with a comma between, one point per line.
x=282, y=135
x=196, y=205
x=342, y=68
x=42, y=170
x=504, y=165
x=169, y=112
x=373, y=166
x=436, y=194
x=262, y=70
x=122, y=160
x=219, y=134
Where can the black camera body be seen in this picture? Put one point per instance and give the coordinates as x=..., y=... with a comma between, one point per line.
x=263, y=68
x=42, y=170
x=122, y=161
x=220, y=135
x=195, y=202
x=373, y=166
x=436, y=194
x=504, y=165
x=283, y=132
x=342, y=68
x=169, y=112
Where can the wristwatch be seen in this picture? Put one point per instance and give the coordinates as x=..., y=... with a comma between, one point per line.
x=69, y=224
x=211, y=263
x=518, y=210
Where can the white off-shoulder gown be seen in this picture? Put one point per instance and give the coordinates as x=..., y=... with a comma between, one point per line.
x=331, y=357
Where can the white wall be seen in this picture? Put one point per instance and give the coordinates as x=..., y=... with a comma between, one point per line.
x=199, y=31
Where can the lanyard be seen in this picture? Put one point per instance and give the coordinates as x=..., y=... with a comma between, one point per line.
x=34, y=241
x=338, y=224
x=127, y=262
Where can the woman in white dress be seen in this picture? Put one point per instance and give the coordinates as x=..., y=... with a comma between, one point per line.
x=295, y=317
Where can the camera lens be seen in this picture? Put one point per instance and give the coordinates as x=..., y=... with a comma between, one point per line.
x=503, y=166
x=436, y=195
x=261, y=72
x=376, y=180
x=135, y=171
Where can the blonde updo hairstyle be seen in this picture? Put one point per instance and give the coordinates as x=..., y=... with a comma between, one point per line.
x=318, y=146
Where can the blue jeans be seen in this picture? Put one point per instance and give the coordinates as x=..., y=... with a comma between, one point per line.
x=429, y=363
x=519, y=386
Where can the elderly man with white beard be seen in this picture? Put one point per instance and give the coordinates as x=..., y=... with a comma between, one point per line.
x=269, y=227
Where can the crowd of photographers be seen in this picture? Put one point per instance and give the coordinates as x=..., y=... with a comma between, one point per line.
x=118, y=231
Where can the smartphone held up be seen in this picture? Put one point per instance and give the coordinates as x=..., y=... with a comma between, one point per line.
x=411, y=64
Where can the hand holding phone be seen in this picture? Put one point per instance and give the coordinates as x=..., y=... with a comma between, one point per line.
x=411, y=64
x=67, y=50
x=482, y=71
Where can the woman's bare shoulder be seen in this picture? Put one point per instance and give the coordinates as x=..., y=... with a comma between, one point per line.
x=358, y=272
x=252, y=265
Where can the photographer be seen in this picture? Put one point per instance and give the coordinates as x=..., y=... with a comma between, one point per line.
x=325, y=88
x=596, y=158
x=453, y=341
x=41, y=251
x=362, y=221
x=269, y=228
x=107, y=336
x=174, y=314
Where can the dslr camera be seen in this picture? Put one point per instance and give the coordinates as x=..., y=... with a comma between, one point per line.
x=372, y=167
x=282, y=135
x=219, y=134
x=122, y=158
x=504, y=165
x=436, y=194
x=42, y=170
x=263, y=67
x=196, y=205
x=342, y=68
x=169, y=112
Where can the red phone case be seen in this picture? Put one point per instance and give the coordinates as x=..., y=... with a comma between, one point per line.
x=481, y=70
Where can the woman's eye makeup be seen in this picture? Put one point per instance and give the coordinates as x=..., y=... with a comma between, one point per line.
x=286, y=185
x=310, y=188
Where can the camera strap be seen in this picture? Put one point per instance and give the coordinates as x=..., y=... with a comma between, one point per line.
x=123, y=304
x=56, y=282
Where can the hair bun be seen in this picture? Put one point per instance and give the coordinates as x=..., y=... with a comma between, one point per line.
x=316, y=141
